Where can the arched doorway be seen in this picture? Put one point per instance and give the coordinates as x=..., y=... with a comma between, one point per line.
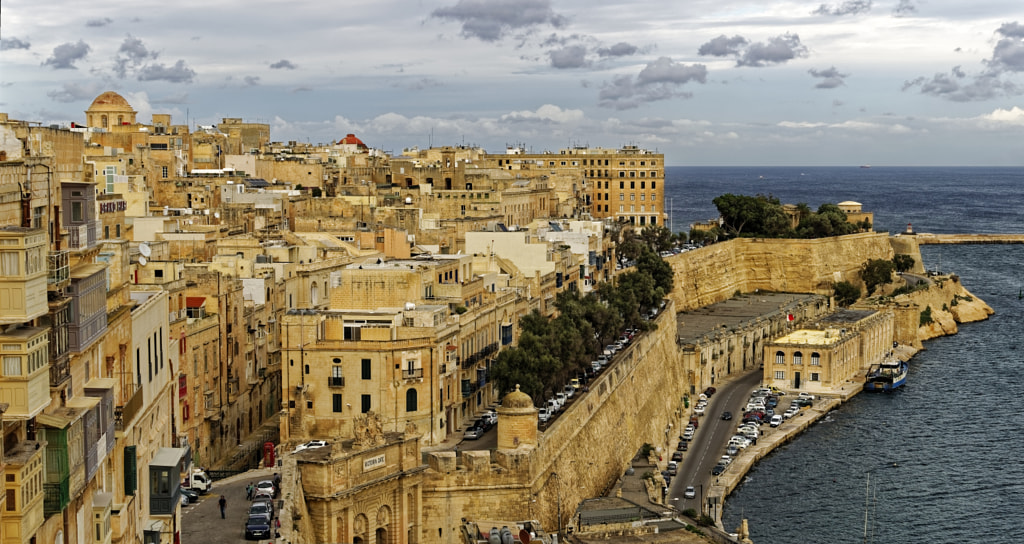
x=382, y=536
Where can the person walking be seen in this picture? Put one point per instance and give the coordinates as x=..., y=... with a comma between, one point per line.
x=248, y=491
x=223, y=502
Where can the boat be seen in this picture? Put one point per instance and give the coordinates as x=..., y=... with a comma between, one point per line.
x=890, y=375
x=865, y=166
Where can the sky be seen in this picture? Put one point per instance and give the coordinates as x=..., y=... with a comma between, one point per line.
x=706, y=82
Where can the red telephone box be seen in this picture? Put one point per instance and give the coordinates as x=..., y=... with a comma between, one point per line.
x=268, y=454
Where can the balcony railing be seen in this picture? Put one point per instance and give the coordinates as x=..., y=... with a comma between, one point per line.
x=60, y=372
x=335, y=381
x=59, y=272
x=78, y=237
x=411, y=374
x=123, y=415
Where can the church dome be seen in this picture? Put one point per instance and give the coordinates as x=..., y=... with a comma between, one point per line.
x=517, y=399
x=110, y=101
x=350, y=139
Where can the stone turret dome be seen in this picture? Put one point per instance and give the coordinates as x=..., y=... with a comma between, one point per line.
x=110, y=101
x=517, y=400
x=109, y=109
x=350, y=139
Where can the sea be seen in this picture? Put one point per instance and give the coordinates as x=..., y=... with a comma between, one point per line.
x=942, y=460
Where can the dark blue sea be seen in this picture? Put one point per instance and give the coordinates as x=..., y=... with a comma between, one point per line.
x=943, y=455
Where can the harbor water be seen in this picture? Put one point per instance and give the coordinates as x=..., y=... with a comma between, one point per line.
x=939, y=460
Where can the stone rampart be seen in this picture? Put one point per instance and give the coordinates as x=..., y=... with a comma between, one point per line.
x=714, y=273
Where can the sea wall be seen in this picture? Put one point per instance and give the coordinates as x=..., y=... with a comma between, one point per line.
x=714, y=273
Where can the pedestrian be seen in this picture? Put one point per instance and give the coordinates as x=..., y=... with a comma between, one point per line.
x=223, y=502
x=248, y=491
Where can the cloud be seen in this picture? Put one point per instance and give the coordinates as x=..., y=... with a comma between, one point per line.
x=777, y=50
x=180, y=98
x=830, y=77
x=132, y=53
x=178, y=73
x=1012, y=116
x=547, y=113
x=957, y=86
x=96, y=23
x=850, y=7
x=423, y=83
x=659, y=80
x=283, y=64
x=492, y=20
x=904, y=8
x=13, y=43
x=1008, y=54
x=302, y=89
x=621, y=49
x=67, y=54
x=74, y=92
x=251, y=81
x=572, y=56
x=723, y=46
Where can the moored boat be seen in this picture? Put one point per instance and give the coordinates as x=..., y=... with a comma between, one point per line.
x=887, y=376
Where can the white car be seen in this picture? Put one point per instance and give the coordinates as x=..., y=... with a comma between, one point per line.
x=310, y=445
x=807, y=396
x=699, y=410
x=543, y=415
x=776, y=420
x=690, y=492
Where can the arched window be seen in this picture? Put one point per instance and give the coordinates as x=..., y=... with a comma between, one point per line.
x=780, y=358
x=314, y=294
x=411, y=400
x=798, y=358
x=815, y=359
x=103, y=121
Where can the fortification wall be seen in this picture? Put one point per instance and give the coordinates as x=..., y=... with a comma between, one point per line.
x=580, y=455
x=714, y=273
x=950, y=304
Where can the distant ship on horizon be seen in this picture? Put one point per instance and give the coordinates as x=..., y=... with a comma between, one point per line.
x=865, y=166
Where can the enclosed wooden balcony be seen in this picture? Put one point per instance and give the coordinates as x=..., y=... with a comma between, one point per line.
x=23, y=273
x=25, y=378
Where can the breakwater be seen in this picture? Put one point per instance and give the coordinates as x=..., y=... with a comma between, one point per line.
x=928, y=239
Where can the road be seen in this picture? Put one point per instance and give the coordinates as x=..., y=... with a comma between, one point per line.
x=708, y=444
x=201, y=523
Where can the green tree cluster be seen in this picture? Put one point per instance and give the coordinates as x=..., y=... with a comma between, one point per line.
x=553, y=350
x=876, y=272
x=763, y=216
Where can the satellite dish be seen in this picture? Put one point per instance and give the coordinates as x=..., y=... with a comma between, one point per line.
x=142, y=261
x=144, y=250
x=216, y=214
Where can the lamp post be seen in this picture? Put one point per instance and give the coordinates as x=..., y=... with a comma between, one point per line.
x=558, y=492
x=701, y=498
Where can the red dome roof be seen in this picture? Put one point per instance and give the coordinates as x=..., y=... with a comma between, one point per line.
x=352, y=140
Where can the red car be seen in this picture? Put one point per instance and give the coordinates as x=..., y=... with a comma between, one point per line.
x=710, y=391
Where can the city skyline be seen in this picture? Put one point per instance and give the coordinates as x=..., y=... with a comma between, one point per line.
x=907, y=82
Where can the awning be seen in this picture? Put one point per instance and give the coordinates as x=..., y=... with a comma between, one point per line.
x=194, y=302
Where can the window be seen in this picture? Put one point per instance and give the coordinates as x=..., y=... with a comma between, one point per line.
x=653, y=184
x=798, y=358
x=632, y=184
x=632, y=196
x=815, y=359
x=158, y=273
x=622, y=196
x=12, y=365
x=365, y=403
x=410, y=400
x=814, y=377
x=780, y=374
x=780, y=358
x=76, y=212
x=642, y=184
x=366, y=370
x=336, y=402
x=163, y=172
x=12, y=503
x=621, y=208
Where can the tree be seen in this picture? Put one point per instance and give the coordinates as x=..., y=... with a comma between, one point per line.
x=903, y=263
x=845, y=293
x=876, y=272
x=752, y=215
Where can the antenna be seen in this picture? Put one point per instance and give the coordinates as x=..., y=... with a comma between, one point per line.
x=142, y=261
x=145, y=250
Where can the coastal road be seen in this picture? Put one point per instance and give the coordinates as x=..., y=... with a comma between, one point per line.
x=709, y=441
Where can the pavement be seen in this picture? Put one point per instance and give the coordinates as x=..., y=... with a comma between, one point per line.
x=201, y=523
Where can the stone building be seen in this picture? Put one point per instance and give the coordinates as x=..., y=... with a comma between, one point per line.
x=836, y=349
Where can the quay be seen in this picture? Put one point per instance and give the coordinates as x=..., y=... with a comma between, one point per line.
x=930, y=239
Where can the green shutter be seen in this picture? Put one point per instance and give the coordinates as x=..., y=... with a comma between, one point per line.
x=130, y=471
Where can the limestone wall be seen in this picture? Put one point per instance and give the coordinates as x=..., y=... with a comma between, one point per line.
x=714, y=273
x=950, y=304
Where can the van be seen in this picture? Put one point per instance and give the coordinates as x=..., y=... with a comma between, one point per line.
x=198, y=481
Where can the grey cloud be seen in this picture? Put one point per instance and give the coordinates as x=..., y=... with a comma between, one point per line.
x=302, y=89
x=850, y=7
x=776, y=51
x=958, y=87
x=73, y=92
x=283, y=64
x=572, y=56
x=13, y=43
x=830, y=77
x=132, y=53
x=1011, y=30
x=178, y=73
x=95, y=23
x=251, y=81
x=491, y=20
x=555, y=39
x=621, y=49
x=723, y=46
x=424, y=83
x=905, y=7
x=67, y=54
x=180, y=98
x=659, y=80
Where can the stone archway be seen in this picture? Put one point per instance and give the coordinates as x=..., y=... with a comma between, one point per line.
x=383, y=525
x=360, y=528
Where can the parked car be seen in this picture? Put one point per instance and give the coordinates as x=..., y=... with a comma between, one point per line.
x=257, y=528
x=569, y=391
x=790, y=413
x=310, y=445
x=192, y=496
x=562, y=398
x=483, y=424
x=673, y=468
x=491, y=417
x=776, y=421
x=543, y=415
x=695, y=421
x=804, y=395
x=261, y=509
x=718, y=469
x=267, y=486
x=726, y=416
x=688, y=435
x=725, y=460
x=681, y=446
x=699, y=409
x=710, y=391
x=732, y=450
x=575, y=383
x=677, y=456
x=266, y=501
x=690, y=492
x=473, y=433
